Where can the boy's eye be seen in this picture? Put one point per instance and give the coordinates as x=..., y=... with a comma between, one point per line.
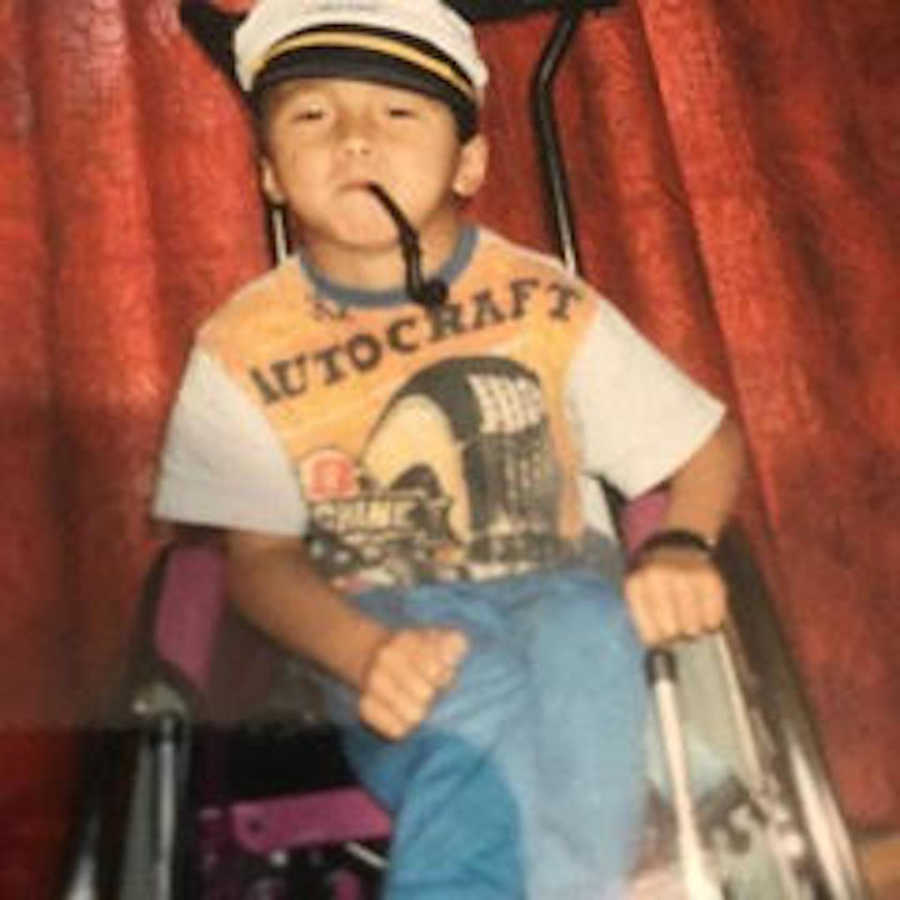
x=401, y=112
x=308, y=114
x=307, y=109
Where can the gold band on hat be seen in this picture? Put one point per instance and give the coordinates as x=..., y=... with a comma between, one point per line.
x=377, y=44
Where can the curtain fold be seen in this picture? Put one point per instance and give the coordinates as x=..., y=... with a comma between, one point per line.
x=36, y=624
x=734, y=167
x=802, y=255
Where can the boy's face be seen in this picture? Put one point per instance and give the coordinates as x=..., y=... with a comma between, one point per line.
x=325, y=139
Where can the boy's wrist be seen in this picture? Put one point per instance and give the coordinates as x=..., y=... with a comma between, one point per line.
x=686, y=539
x=363, y=648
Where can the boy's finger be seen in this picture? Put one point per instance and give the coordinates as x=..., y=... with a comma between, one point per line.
x=453, y=646
x=383, y=718
x=640, y=615
x=449, y=648
x=687, y=603
x=712, y=609
x=403, y=682
x=659, y=604
x=411, y=655
x=408, y=696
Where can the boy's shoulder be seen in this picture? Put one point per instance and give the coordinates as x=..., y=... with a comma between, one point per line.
x=272, y=293
x=494, y=246
x=523, y=269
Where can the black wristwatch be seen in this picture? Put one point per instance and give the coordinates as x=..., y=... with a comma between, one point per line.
x=674, y=537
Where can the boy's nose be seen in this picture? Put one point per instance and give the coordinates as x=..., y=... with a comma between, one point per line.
x=356, y=145
x=357, y=137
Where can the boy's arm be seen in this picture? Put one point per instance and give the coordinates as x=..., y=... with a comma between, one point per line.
x=398, y=673
x=677, y=591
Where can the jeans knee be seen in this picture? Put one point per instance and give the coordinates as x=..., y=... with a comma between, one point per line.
x=491, y=693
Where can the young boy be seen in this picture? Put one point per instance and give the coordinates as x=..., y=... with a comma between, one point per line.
x=408, y=492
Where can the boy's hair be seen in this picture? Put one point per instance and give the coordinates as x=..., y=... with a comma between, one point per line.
x=419, y=45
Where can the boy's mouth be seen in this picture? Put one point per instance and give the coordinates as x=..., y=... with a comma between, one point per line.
x=365, y=190
x=357, y=184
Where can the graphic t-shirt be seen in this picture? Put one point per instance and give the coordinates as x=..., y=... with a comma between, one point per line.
x=413, y=445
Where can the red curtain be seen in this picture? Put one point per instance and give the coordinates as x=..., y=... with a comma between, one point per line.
x=736, y=175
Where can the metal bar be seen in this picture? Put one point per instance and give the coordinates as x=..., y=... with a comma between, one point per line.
x=493, y=10
x=545, y=125
x=278, y=233
x=759, y=782
x=699, y=883
x=167, y=805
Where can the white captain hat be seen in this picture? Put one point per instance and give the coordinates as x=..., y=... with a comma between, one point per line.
x=420, y=45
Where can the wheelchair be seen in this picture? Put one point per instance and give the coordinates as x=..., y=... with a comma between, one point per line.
x=206, y=793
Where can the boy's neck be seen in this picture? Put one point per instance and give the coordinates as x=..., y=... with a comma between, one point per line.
x=381, y=268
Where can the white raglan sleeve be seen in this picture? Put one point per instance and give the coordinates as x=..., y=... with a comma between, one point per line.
x=636, y=416
x=222, y=464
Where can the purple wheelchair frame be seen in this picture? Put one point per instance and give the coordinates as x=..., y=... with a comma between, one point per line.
x=190, y=609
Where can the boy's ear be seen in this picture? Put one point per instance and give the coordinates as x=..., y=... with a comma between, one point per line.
x=472, y=167
x=271, y=186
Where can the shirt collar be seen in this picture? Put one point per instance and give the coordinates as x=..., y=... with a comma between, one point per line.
x=352, y=296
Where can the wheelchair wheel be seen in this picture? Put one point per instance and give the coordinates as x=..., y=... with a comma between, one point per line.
x=781, y=714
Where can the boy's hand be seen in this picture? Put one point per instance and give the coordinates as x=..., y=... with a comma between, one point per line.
x=406, y=674
x=675, y=592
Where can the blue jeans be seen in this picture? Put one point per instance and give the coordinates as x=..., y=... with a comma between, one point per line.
x=527, y=780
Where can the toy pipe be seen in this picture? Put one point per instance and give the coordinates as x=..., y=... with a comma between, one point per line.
x=429, y=293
